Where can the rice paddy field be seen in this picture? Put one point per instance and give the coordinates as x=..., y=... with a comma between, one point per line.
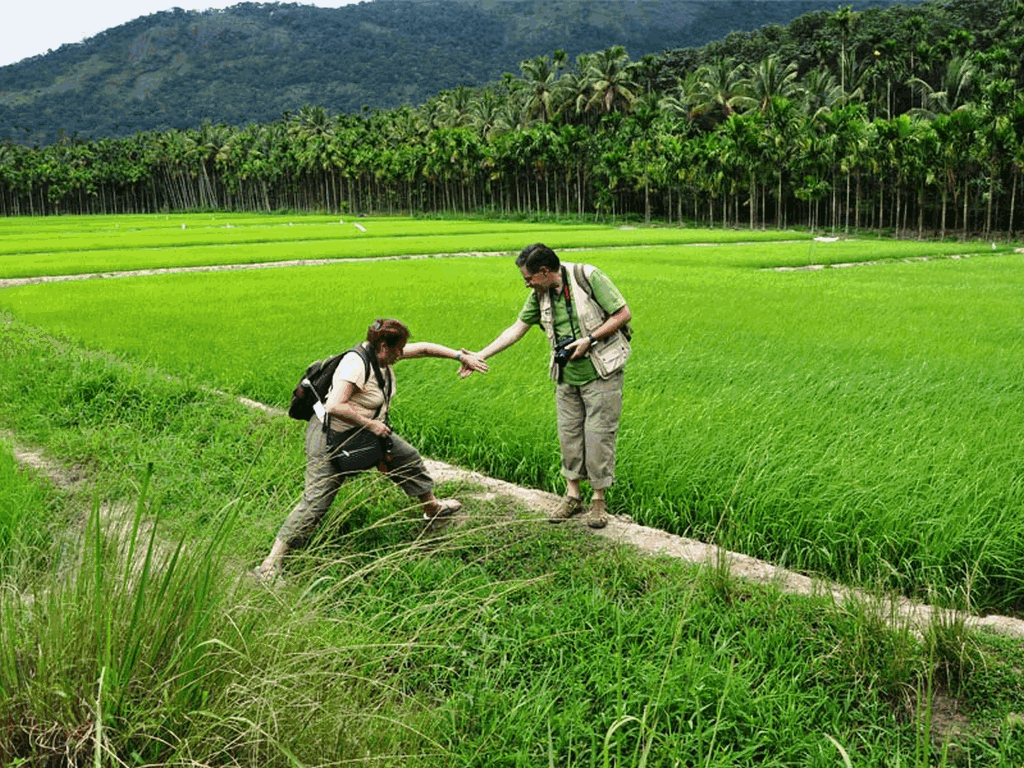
x=861, y=423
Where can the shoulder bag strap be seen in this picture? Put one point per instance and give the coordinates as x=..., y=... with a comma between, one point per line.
x=370, y=361
x=583, y=280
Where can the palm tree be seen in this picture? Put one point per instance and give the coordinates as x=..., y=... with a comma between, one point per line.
x=175, y=154
x=314, y=132
x=1015, y=134
x=770, y=79
x=889, y=64
x=946, y=129
x=854, y=79
x=956, y=90
x=576, y=144
x=610, y=74
x=576, y=86
x=486, y=114
x=903, y=137
x=203, y=145
x=915, y=27
x=456, y=106
x=843, y=129
x=820, y=92
x=741, y=156
x=543, y=85
x=682, y=101
x=995, y=145
x=431, y=115
x=720, y=88
x=843, y=20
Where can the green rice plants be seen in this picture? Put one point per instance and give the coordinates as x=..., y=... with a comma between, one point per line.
x=858, y=423
x=498, y=640
x=81, y=245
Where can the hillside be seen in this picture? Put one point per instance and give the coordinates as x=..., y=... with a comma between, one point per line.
x=255, y=61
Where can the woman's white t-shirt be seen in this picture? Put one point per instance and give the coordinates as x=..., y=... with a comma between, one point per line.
x=367, y=395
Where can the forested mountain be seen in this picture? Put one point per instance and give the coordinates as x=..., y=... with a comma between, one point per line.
x=903, y=119
x=255, y=61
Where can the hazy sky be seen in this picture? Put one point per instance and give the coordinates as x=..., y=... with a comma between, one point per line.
x=31, y=27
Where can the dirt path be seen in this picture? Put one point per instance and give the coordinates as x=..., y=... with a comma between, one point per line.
x=656, y=542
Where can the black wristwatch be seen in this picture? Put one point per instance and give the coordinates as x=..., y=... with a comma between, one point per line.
x=593, y=341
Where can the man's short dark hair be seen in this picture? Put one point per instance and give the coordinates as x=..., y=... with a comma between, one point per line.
x=538, y=255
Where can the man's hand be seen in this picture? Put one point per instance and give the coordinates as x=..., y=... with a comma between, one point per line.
x=579, y=348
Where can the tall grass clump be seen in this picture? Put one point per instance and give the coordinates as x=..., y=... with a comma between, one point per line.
x=147, y=651
x=500, y=640
x=112, y=659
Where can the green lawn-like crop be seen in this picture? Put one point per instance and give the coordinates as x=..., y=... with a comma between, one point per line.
x=862, y=423
x=82, y=245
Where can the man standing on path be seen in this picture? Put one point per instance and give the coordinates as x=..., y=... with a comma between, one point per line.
x=585, y=319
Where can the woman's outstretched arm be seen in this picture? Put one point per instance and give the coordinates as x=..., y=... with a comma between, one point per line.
x=430, y=349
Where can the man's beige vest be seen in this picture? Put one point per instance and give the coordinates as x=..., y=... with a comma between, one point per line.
x=609, y=355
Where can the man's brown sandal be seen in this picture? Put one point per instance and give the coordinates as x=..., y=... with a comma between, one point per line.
x=597, y=517
x=569, y=506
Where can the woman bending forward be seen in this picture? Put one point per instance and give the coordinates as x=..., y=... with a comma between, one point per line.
x=356, y=400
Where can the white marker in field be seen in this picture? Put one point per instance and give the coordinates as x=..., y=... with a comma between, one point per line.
x=360, y=227
x=182, y=226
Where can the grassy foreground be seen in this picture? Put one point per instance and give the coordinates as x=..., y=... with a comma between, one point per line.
x=503, y=641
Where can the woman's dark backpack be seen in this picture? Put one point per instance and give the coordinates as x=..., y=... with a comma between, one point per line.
x=316, y=382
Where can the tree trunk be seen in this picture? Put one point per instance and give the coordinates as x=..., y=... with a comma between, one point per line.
x=966, y=193
x=753, y=199
x=988, y=210
x=1013, y=205
x=881, y=205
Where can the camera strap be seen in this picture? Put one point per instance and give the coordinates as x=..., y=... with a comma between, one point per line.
x=567, y=295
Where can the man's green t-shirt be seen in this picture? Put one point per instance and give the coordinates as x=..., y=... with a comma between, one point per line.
x=576, y=372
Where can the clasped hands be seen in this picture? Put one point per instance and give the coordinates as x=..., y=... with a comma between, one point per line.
x=471, y=362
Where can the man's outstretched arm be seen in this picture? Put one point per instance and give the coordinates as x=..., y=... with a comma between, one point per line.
x=505, y=339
